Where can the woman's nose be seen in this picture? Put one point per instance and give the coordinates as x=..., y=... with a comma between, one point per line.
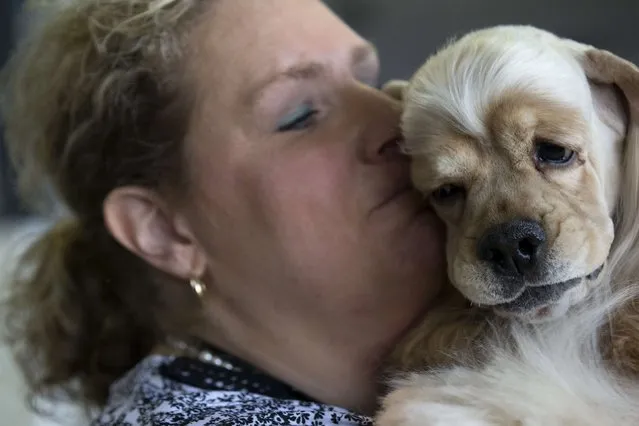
x=381, y=138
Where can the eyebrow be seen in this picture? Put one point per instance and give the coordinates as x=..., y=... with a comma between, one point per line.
x=310, y=70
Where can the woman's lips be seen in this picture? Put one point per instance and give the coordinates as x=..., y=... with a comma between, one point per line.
x=406, y=200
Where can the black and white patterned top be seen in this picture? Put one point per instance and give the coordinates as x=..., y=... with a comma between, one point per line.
x=163, y=390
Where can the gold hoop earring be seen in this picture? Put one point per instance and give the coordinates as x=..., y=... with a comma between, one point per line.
x=198, y=287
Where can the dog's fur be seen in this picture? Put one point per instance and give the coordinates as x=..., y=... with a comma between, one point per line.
x=474, y=116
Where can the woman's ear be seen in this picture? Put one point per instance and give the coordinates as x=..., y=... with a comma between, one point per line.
x=139, y=220
x=395, y=89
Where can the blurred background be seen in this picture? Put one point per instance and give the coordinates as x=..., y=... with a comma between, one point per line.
x=406, y=32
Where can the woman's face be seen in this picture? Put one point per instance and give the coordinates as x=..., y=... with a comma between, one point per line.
x=300, y=199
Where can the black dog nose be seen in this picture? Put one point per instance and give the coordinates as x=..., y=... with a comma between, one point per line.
x=513, y=248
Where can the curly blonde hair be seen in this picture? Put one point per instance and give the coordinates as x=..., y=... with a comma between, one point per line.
x=94, y=99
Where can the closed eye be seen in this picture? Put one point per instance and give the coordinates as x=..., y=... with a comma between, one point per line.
x=299, y=119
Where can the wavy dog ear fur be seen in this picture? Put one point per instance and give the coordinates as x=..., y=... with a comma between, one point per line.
x=604, y=69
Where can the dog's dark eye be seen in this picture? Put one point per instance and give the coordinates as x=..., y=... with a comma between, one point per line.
x=448, y=193
x=550, y=153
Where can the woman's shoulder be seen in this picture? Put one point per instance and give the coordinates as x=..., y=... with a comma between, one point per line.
x=151, y=395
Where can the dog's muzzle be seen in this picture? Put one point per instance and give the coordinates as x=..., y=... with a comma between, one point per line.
x=517, y=254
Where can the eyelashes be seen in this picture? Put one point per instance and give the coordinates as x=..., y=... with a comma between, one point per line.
x=300, y=118
x=305, y=115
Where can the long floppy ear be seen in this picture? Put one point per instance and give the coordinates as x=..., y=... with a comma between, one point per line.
x=623, y=328
x=603, y=67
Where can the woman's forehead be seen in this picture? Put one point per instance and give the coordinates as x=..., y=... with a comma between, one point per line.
x=250, y=42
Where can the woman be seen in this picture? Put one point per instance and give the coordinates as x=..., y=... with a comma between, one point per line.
x=244, y=244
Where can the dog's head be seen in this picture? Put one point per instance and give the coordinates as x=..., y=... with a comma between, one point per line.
x=518, y=139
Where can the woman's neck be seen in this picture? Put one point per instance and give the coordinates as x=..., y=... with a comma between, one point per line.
x=328, y=372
